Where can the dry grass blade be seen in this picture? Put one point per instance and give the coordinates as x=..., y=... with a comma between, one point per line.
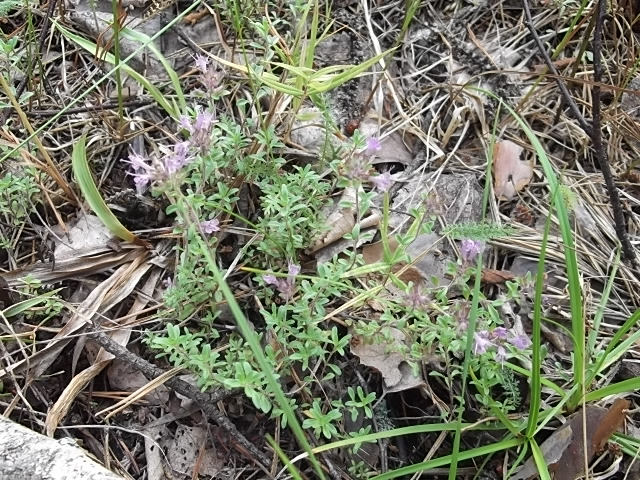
x=73, y=267
x=111, y=291
x=140, y=393
x=103, y=359
x=53, y=169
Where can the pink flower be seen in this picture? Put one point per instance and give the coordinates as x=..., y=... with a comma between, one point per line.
x=373, y=146
x=210, y=226
x=212, y=81
x=143, y=172
x=519, y=341
x=270, y=279
x=200, y=128
x=286, y=286
x=202, y=62
x=382, y=182
x=175, y=158
x=357, y=167
x=293, y=269
x=153, y=169
x=470, y=249
x=416, y=299
x=481, y=342
x=500, y=333
x=501, y=354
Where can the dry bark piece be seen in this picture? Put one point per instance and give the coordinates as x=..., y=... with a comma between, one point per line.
x=510, y=174
x=27, y=455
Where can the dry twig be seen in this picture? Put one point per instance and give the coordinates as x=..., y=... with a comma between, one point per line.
x=206, y=401
x=594, y=130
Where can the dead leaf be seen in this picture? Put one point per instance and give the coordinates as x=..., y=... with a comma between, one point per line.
x=341, y=221
x=85, y=236
x=495, y=277
x=564, y=451
x=396, y=373
x=510, y=174
x=374, y=252
x=610, y=424
x=552, y=449
x=189, y=457
x=395, y=148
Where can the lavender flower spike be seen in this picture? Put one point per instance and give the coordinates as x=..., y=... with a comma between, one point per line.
x=373, y=146
x=286, y=286
x=470, y=249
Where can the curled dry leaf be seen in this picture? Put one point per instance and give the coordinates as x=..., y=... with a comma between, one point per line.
x=374, y=252
x=496, y=277
x=396, y=373
x=510, y=174
x=340, y=221
x=565, y=450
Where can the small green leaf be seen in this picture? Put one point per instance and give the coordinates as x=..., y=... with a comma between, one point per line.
x=21, y=307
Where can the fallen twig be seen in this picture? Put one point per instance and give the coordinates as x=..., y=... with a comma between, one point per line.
x=594, y=129
x=206, y=401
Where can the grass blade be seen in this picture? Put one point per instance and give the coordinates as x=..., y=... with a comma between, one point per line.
x=92, y=195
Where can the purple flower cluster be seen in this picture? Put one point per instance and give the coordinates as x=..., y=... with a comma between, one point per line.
x=470, y=249
x=173, y=159
x=416, y=299
x=498, y=338
x=199, y=128
x=286, y=286
x=210, y=78
x=154, y=169
x=358, y=166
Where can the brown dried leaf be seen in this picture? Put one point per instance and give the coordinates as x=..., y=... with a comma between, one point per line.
x=396, y=373
x=510, y=174
x=374, y=252
x=495, y=277
x=340, y=221
x=610, y=424
x=564, y=451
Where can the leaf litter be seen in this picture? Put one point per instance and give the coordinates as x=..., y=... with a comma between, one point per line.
x=569, y=448
x=423, y=106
